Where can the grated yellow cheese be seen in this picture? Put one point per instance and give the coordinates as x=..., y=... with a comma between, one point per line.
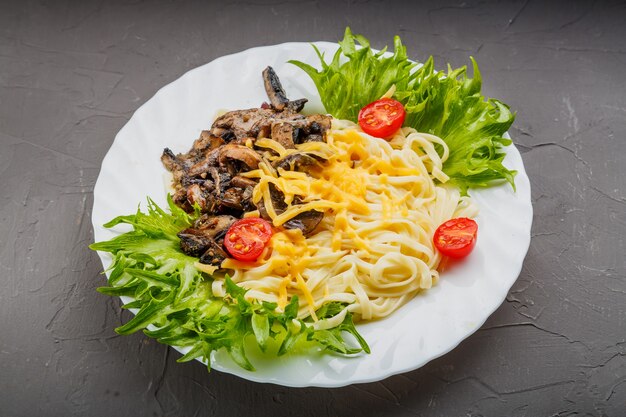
x=282, y=291
x=307, y=295
x=338, y=189
x=372, y=248
x=273, y=145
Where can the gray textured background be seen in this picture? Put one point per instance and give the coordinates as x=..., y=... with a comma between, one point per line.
x=71, y=75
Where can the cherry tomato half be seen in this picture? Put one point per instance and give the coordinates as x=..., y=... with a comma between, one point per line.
x=456, y=238
x=382, y=118
x=246, y=238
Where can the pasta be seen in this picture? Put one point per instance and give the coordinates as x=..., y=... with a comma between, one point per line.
x=373, y=249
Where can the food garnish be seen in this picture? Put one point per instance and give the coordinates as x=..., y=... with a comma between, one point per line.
x=246, y=238
x=456, y=238
x=176, y=305
x=382, y=118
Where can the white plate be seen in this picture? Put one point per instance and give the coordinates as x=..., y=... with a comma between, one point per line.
x=430, y=325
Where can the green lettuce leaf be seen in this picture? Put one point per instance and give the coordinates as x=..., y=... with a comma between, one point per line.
x=174, y=298
x=448, y=104
x=345, y=86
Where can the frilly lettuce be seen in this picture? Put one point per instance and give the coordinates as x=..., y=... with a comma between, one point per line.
x=447, y=104
x=174, y=298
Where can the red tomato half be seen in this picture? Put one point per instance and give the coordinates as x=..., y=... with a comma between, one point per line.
x=382, y=118
x=246, y=238
x=456, y=238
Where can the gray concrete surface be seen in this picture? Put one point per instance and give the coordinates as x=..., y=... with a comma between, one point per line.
x=71, y=75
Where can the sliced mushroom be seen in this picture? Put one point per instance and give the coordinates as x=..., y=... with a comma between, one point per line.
x=274, y=89
x=205, y=239
x=313, y=137
x=195, y=195
x=307, y=221
x=225, y=134
x=234, y=198
x=319, y=123
x=297, y=161
x=244, y=123
x=202, y=197
x=265, y=131
x=169, y=160
x=276, y=93
x=204, y=165
x=244, y=141
x=193, y=244
x=196, y=244
x=214, y=255
x=174, y=165
x=207, y=142
x=240, y=153
x=283, y=134
x=246, y=198
x=214, y=227
x=180, y=198
x=206, y=184
x=243, y=182
x=221, y=179
x=296, y=105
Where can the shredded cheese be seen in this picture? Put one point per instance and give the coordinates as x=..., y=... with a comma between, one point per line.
x=379, y=204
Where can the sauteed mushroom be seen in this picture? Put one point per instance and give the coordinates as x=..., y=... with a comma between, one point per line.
x=209, y=175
